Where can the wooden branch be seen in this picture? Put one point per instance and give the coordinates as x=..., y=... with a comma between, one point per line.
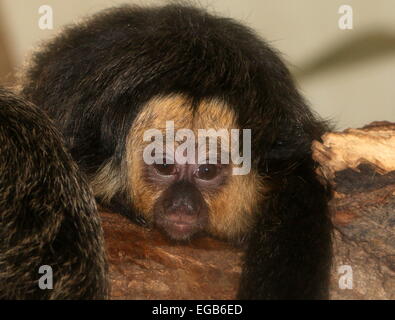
x=359, y=163
x=145, y=265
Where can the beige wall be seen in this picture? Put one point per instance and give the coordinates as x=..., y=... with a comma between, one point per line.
x=346, y=75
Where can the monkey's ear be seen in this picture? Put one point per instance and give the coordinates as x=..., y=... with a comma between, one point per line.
x=289, y=252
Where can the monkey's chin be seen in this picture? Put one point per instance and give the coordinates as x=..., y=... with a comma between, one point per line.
x=180, y=231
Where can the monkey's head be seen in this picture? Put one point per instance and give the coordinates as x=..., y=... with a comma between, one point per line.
x=127, y=70
x=186, y=188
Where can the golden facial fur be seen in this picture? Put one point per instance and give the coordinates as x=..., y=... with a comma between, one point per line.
x=231, y=208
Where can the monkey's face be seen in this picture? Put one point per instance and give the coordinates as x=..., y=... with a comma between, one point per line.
x=184, y=198
x=181, y=210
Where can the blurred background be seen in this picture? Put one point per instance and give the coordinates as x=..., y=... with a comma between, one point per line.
x=346, y=75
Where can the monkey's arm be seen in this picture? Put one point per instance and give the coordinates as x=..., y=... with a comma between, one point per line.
x=288, y=256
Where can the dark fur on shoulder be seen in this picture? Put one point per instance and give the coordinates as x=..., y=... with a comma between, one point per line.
x=47, y=212
x=95, y=78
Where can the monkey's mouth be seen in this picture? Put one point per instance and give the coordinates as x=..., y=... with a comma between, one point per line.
x=182, y=227
x=179, y=228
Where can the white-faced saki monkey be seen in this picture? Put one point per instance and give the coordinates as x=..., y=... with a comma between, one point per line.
x=178, y=71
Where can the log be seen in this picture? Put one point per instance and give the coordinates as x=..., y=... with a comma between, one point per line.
x=358, y=163
x=144, y=264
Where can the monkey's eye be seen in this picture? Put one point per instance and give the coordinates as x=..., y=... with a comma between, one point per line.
x=207, y=171
x=165, y=169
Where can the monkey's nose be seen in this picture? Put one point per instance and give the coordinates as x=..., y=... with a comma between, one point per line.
x=183, y=197
x=181, y=207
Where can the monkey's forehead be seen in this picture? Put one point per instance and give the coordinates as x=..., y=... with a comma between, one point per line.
x=177, y=109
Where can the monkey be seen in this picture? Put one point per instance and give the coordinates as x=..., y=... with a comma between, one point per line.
x=128, y=69
x=48, y=214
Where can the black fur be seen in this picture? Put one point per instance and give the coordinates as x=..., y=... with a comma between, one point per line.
x=47, y=212
x=94, y=78
x=290, y=248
